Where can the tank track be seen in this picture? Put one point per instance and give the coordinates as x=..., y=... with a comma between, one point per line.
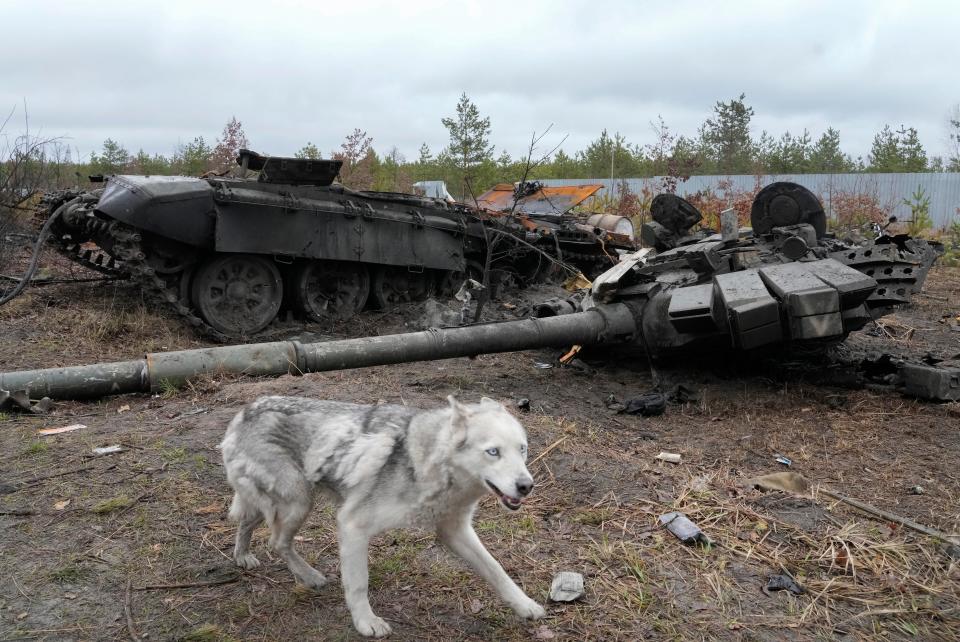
x=126, y=259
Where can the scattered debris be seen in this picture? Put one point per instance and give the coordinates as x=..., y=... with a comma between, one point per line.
x=916, y=490
x=681, y=394
x=60, y=430
x=19, y=400
x=683, y=529
x=567, y=586
x=61, y=504
x=543, y=632
x=540, y=365
x=782, y=583
x=570, y=354
x=786, y=461
x=523, y=404
x=673, y=458
x=108, y=450
x=122, y=409
x=787, y=482
x=649, y=404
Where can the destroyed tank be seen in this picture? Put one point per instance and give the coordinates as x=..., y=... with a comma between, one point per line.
x=784, y=281
x=229, y=253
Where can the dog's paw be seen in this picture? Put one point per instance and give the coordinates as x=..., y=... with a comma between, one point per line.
x=372, y=626
x=315, y=580
x=529, y=610
x=248, y=561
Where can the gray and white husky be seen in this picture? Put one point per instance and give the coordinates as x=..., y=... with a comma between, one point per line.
x=386, y=467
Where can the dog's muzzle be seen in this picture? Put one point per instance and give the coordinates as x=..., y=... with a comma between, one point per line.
x=513, y=503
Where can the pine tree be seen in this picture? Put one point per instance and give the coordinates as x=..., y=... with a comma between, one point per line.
x=897, y=151
x=726, y=137
x=309, y=151
x=112, y=160
x=827, y=157
x=469, y=140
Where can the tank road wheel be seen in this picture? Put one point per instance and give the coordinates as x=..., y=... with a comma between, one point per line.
x=331, y=290
x=392, y=285
x=238, y=294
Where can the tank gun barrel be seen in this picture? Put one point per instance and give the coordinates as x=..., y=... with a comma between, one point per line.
x=610, y=324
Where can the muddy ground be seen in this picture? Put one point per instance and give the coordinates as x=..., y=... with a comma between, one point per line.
x=136, y=545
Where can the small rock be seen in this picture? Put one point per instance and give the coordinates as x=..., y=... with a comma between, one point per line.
x=916, y=490
x=567, y=586
x=475, y=606
x=543, y=632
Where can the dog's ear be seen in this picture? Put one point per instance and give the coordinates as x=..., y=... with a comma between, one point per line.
x=458, y=421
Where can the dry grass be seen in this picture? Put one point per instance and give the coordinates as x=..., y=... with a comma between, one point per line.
x=155, y=514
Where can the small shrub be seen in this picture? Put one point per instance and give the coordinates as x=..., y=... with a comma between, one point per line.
x=919, y=204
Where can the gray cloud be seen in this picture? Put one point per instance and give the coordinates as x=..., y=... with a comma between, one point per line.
x=152, y=75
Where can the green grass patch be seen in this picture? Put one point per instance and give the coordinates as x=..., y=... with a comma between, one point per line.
x=112, y=504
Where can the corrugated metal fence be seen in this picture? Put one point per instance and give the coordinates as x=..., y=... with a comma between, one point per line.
x=890, y=190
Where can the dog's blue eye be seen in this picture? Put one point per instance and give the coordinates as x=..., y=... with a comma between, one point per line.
x=493, y=452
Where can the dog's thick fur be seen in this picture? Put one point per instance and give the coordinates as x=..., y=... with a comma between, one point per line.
x=386, y=467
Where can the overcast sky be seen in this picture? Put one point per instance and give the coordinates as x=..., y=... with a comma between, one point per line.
x=150, y=75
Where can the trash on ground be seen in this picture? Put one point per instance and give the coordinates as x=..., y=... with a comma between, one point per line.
x=567, y=586
x=541, y=365
x=523, y=404
x=108, y=450
x=61, y=504
x=649, y=404
x=787, y=482
x=916, y=490
x=782, y=583
x=673, y=458
x=683, y=529
x=122, y=409
x=681, y=394
x=61, y=429
x=570, y=354
x=786, y=461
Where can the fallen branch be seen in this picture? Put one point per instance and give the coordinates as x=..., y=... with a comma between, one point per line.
x=547, y=451
x=30, y=483
x=128, y=612
x=903, y=521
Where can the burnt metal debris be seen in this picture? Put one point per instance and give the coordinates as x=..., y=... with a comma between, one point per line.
x=698, y=293
x=229, y=253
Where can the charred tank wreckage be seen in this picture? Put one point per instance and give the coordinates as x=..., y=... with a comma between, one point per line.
x=229, y=254
x=783, y=282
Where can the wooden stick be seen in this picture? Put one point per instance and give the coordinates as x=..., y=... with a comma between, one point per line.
x=547, y=451
x=903, y=521
x=127, y=611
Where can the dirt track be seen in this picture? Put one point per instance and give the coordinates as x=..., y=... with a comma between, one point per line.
x=97, y=547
